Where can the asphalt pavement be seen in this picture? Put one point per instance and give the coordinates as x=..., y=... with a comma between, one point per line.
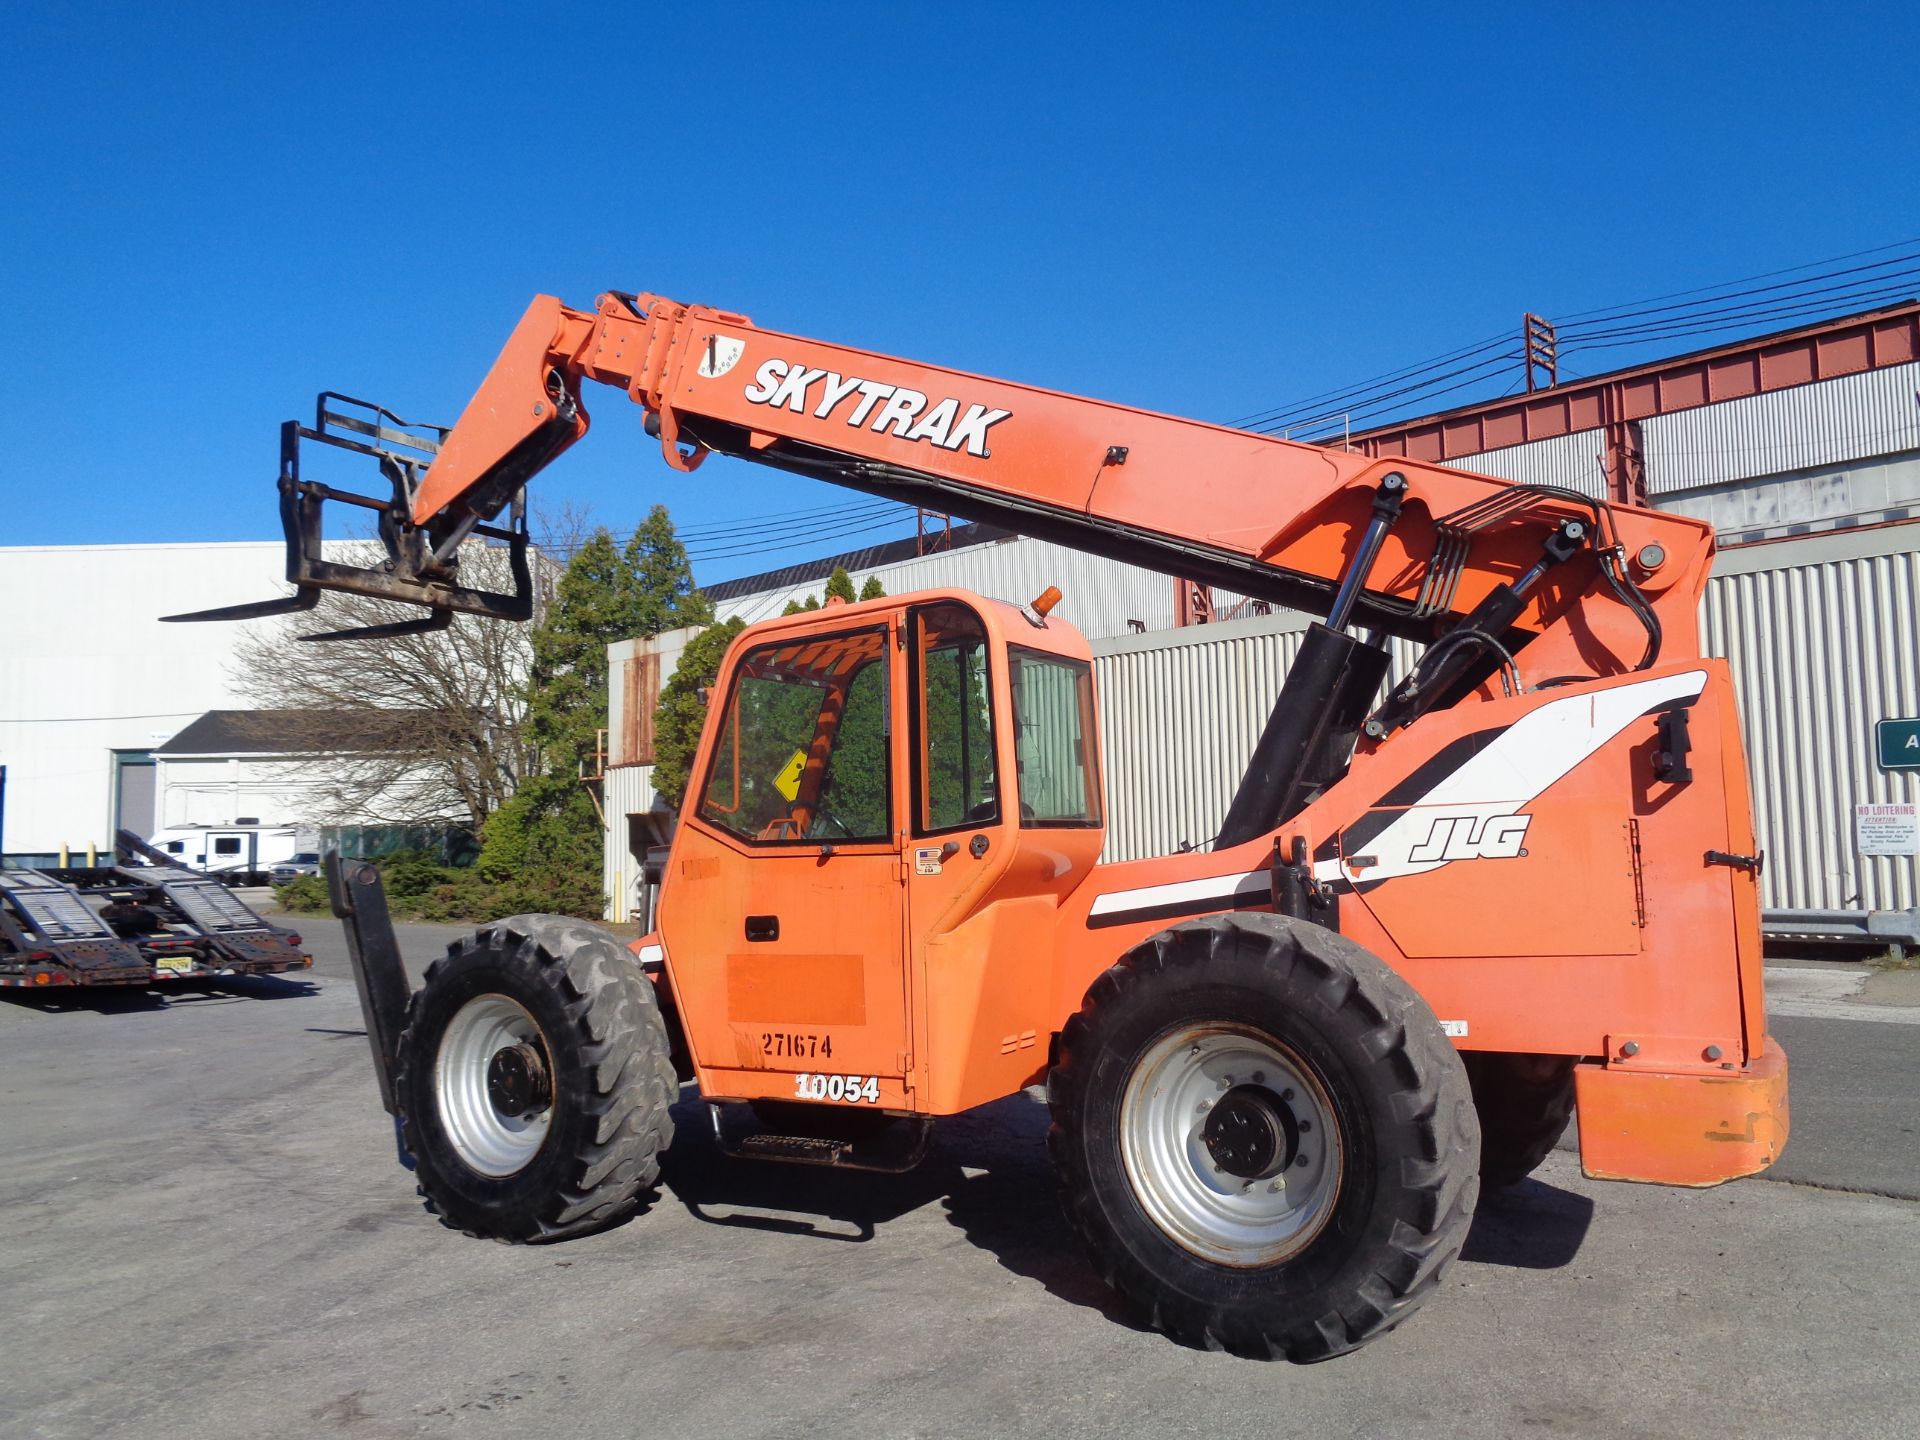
x=209, y=1237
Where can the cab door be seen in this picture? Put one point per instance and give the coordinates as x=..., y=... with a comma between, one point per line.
x=783, y=909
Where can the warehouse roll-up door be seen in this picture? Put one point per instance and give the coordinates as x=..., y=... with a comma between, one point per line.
x=133, y=793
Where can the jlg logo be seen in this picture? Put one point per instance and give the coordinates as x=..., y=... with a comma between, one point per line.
x=1472, y=837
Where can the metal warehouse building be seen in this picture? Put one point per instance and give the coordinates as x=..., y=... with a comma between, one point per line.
x=1802, y=448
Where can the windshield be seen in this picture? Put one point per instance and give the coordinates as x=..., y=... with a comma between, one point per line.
x=803, y=753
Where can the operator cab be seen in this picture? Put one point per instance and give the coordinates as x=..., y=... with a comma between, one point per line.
x=880, y=788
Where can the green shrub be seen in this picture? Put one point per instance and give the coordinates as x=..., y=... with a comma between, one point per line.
x=408, y=874
x=305, y=896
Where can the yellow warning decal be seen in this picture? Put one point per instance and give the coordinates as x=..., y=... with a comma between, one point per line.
x=787, y=782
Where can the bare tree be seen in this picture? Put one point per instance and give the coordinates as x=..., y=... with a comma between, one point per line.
x=560, y=528
x=417, y=729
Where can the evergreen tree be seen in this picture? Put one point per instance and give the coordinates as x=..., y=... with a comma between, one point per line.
x=855, y=786
x=660, y=579
x=543, y=845
x=682, y=712
x=839, y=586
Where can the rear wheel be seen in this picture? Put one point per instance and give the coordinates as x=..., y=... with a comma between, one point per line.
x=1524, y=1103
x=534, y=1081
x=1263, y=1138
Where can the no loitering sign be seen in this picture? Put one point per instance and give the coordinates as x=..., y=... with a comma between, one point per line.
x=1898, y=741
x=1887, y=829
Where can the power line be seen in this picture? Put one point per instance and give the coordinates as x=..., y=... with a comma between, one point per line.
x=1808, y=310
x=1718, y=308
x=1745, y=280
x=1484, y=370
x=811, y=536
x=1262, y=418
x=717, y=534
x=1878, y=284
x=774, y=517
x=1371, y=416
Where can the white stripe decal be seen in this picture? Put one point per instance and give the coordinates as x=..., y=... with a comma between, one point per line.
x=1183, y=892
x=1534, y=752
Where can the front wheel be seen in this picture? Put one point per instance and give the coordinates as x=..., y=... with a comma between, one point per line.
x=534, y=1081
x=1263, y=1138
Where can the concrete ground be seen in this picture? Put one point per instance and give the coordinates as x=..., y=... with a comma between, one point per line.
x=208, y=1237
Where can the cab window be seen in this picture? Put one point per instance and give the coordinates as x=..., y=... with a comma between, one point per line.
x=954, y=780
x=802, y=756
x=1054, y=740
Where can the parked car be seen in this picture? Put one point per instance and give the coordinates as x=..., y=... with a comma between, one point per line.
x=304, y=862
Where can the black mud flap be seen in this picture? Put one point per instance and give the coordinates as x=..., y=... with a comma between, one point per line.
x=379, y=974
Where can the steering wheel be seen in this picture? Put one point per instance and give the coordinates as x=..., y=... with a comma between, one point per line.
x=824, y=816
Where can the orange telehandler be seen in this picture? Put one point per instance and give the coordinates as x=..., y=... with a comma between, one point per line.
x=1435, y=921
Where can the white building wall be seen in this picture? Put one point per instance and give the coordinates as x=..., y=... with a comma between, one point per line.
x=86, y=669
x=274, y=790
x=218, y=790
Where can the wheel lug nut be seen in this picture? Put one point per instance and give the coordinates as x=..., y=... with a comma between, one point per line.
x=1276, y=1187
x=1305, y=1126
x=1205, y=1105
x=1301, y=1162
x=1286, y=1094
x=1259, y=1077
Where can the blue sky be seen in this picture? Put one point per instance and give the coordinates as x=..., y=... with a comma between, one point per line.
x=210, y=213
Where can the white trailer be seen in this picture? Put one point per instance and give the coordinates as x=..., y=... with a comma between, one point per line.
x=239, y=854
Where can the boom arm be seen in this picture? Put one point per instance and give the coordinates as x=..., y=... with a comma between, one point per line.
x=1277, y=520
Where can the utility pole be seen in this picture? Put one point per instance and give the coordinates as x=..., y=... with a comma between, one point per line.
x=1540, y=344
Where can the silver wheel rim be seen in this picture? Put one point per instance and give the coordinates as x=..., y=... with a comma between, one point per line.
x=487, y=1141
x=1223, y=1217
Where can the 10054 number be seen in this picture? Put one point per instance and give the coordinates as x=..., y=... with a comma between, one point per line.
x=856, y=1088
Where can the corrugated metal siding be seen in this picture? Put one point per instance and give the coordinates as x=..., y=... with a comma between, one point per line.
x=1100, y=596
x=1177, y=723
x=1569, y=460
x=1819, y=653
x=629, y=791
x=1854, y=416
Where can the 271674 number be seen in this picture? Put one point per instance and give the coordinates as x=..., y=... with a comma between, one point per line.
x=854, y=1088
x=785, y=1044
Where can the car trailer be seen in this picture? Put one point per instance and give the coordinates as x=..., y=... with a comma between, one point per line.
x=49, y=936
x=133, y=925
